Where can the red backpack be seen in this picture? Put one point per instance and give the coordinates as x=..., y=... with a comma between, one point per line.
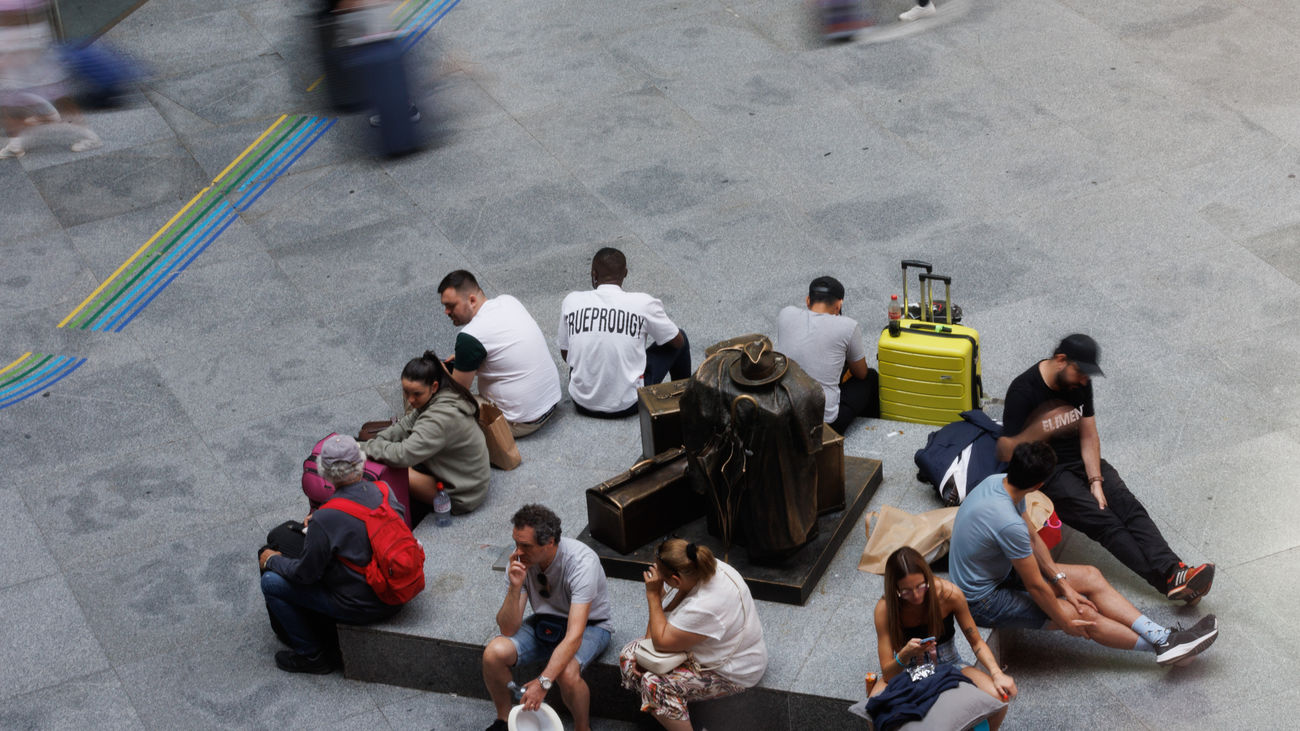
x=396, y=568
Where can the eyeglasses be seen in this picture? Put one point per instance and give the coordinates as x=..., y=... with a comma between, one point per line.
x=544, y=590
x=905, y=593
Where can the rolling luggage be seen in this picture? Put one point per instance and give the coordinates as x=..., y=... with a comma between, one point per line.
x=929, y=371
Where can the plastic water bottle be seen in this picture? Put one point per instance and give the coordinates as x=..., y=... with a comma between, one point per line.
x=895, y=316
x=442, y=507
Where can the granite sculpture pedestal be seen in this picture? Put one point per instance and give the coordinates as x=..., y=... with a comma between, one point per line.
x=789, y=582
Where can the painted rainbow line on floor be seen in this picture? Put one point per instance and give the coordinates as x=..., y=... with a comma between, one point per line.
x=414, y=20
x=419, y=24
x=156, y=264
x=33, y=373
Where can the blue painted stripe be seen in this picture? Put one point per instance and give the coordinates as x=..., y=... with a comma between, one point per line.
x=213, y=231
x=33, y=376
x=224, y=225
x=34, y=380
x=412, y=40
x=282, y=154
x=157, y=272
x=250, y=180
x=299, y=154
x=11, y=400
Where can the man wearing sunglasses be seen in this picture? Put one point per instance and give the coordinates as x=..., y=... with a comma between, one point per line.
x=564, y=583
x=1052, y=401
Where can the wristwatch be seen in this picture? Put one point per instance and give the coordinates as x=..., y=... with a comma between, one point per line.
x=1058, y=576
x=544, y=681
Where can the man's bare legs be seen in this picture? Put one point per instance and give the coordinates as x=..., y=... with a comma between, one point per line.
x=1115, y=615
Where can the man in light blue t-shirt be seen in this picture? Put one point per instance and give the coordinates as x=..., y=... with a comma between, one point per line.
x=1010, y=579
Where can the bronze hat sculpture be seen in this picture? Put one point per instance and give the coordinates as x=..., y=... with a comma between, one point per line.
x=758, y=365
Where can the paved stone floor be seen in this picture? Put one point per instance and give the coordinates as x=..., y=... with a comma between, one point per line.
x=1126, y=169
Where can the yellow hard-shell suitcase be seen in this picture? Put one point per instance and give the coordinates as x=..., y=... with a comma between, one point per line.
x=930, y=371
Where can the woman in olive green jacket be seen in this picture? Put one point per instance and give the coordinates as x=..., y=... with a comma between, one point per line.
x=438, y=439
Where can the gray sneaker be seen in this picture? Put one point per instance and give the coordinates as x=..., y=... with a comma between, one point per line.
x=1182, y=644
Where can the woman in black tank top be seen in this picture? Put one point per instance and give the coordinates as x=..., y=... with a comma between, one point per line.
x=915, y=623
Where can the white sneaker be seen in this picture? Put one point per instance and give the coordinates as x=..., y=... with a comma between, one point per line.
x=918, y=12
x=13, y=149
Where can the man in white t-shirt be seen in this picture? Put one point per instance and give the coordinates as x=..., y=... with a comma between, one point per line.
x=827, y=345
x=503, y=347
x=616, y=341
x=564, y=583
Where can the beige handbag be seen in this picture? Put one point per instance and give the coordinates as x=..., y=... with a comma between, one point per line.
x=653, y=661
x=661, y=663
x=927, y=532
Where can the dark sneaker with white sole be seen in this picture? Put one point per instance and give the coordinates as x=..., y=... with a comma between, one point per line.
x=1182, y=644
x=1189, y=583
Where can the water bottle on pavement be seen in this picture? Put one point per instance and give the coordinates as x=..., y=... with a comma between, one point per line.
x=895, y=316
x=442, y=507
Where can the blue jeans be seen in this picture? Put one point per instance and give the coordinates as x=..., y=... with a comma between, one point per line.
x=300, y=609
x=665, y=360
x=1009, y=605
x=528, y=649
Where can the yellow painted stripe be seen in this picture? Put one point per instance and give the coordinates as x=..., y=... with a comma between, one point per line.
x=12, y=365
x=169, y=223
x=249, y=149
x=315, y=83
x=398, y=9
x=134, y=256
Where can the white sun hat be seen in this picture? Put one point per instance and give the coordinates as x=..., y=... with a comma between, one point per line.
x=543, y=719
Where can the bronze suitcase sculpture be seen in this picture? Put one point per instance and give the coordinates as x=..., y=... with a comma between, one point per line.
x=661, y=416
x=644, y=504
x=830, y=472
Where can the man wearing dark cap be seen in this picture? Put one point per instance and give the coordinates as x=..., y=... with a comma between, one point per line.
x=1052, y=401
x=827, y=346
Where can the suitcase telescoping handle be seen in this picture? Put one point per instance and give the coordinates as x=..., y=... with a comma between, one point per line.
x=914, y=264
x=925, y=279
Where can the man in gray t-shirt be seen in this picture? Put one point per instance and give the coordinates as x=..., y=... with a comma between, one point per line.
x=563, y=581
x=827, y=345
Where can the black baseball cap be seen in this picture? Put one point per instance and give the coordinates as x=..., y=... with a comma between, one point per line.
x=1083, y=351
x=825, y=287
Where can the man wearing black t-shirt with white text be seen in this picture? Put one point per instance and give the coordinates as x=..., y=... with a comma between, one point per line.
x=1052, y=401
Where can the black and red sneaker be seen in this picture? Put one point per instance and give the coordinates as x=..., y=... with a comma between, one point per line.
x=1189, y=583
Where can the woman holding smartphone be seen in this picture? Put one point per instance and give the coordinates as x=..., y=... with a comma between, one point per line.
x=915, y=624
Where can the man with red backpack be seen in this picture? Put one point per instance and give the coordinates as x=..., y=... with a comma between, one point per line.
x=359, y=564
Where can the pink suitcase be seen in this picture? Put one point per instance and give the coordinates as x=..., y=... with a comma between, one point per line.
x=318, y=490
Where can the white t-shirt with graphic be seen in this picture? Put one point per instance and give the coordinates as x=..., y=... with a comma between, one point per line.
x=605, y=331
x=722, y=610
x=517, y=373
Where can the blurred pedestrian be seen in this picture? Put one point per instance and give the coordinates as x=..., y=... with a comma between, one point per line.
x=33, y=82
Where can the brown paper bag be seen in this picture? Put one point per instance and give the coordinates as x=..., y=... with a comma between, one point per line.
x=928, y=533
x=502, y=451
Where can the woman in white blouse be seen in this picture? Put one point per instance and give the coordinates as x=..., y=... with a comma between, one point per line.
x=701, y=606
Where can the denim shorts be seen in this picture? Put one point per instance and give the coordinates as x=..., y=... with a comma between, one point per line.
x=1009, y=605
x=528, y=649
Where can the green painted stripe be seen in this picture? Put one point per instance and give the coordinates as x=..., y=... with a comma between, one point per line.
x=145, y=264
x=268, y=145
x=160, y=248
x=23, y=374
x=414, y=10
